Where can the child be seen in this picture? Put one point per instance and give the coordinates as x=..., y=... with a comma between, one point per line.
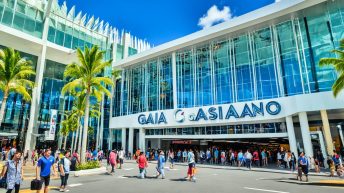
x=332, y=168
x=299, y=173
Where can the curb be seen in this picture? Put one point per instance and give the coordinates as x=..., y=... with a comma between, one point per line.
x=254, y=169
x=96, y=171
x=316, y=183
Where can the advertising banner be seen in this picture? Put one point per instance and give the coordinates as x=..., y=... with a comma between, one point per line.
x=50, y=136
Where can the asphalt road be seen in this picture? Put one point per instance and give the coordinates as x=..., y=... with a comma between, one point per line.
x=207, y=181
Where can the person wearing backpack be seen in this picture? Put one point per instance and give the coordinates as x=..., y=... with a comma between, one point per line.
x=161, y=165
x=13, y=172
x=64, y=169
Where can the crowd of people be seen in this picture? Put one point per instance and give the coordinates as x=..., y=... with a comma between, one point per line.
x=280, y=158
x=62, y=162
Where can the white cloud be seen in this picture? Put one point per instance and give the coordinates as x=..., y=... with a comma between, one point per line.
x=214, y=16
x=277, y=1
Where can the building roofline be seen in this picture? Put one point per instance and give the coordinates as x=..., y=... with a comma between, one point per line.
x=258, y=16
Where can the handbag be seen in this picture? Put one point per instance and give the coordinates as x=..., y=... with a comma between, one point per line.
x=3, y=183
x=36, y=184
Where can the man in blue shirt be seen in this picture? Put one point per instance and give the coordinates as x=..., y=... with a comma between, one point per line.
x=43, y=169
x=303, y=162
x=95, y=155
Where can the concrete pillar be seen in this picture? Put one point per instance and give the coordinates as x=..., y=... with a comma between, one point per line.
x=126, y=43
x=124, y=140
x=306, y=136
x=142, y=139
x=291, y=135
x=327, y=132
x=174, y=78
x=131, y=141
x=30, y=140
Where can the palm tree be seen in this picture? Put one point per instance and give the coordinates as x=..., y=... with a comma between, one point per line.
x=78, y=110
x=338, y=64
x=68, y=125
x=15, y=73
x=85, y=76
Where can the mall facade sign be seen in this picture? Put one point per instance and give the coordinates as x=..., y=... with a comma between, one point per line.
x=212, y=113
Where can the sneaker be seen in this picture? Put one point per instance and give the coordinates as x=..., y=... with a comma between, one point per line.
x=61, y=190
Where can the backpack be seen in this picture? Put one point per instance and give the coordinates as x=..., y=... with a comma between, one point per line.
x=61, y=163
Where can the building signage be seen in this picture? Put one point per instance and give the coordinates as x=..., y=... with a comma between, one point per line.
x=215, y=113
x=184, y=142
x=50, y=136
x=155, y=118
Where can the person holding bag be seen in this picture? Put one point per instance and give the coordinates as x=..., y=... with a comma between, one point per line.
x=13, y=172
x=43, y=169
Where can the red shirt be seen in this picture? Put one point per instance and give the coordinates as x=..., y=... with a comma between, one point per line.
x=142, y=161
x=255, y=156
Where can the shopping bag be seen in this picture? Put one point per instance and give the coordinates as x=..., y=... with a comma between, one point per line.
x=36, y=184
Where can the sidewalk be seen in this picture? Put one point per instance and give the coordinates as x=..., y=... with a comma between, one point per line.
x=255, y=169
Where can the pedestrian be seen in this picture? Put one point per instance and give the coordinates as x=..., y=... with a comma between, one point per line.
x=216, y=155
x=43, y=169
x=264, y=158
x=336, y=159
x=292, y=162
x=240, y=158
x=185, y=155
x=171, y=158
x=191, y=165
x=64, y=168
x=256, y=158
x=13, y=172
x=161, y=165
x=113, y=160
x=223, y=158
x=26, y=157
x=143, y=164
x=304, y=163
x=11, y=152
x=248, y=158
x=121, y=154
x=332, y=167
x=208, y=153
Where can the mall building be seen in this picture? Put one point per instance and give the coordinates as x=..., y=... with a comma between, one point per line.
x=48, y=34
x=252, y=81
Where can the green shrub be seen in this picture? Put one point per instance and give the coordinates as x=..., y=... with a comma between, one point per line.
x=88, y=165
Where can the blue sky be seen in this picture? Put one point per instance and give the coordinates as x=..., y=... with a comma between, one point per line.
x=160, y=21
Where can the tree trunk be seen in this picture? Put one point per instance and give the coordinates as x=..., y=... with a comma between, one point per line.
x=85, y=132
x=80, y=137
x=3, y=107
x=65, y=142
x=76, y=139
x=72, y=144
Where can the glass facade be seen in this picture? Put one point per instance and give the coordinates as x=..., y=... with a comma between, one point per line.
x=145, y=87
x=17, y=109
x=70, y=30
x=222, y=130
x=22, y=16
x=264, y=62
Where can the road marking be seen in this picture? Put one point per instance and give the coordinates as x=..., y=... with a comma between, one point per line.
x=33, y=191
x=264, y=190
x=128, y=169
x=74, y=185
x=122, y=177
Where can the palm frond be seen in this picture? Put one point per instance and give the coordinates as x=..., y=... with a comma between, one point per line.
x=338, y=85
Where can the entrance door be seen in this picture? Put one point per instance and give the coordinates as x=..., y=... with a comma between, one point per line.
x=318, y=142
